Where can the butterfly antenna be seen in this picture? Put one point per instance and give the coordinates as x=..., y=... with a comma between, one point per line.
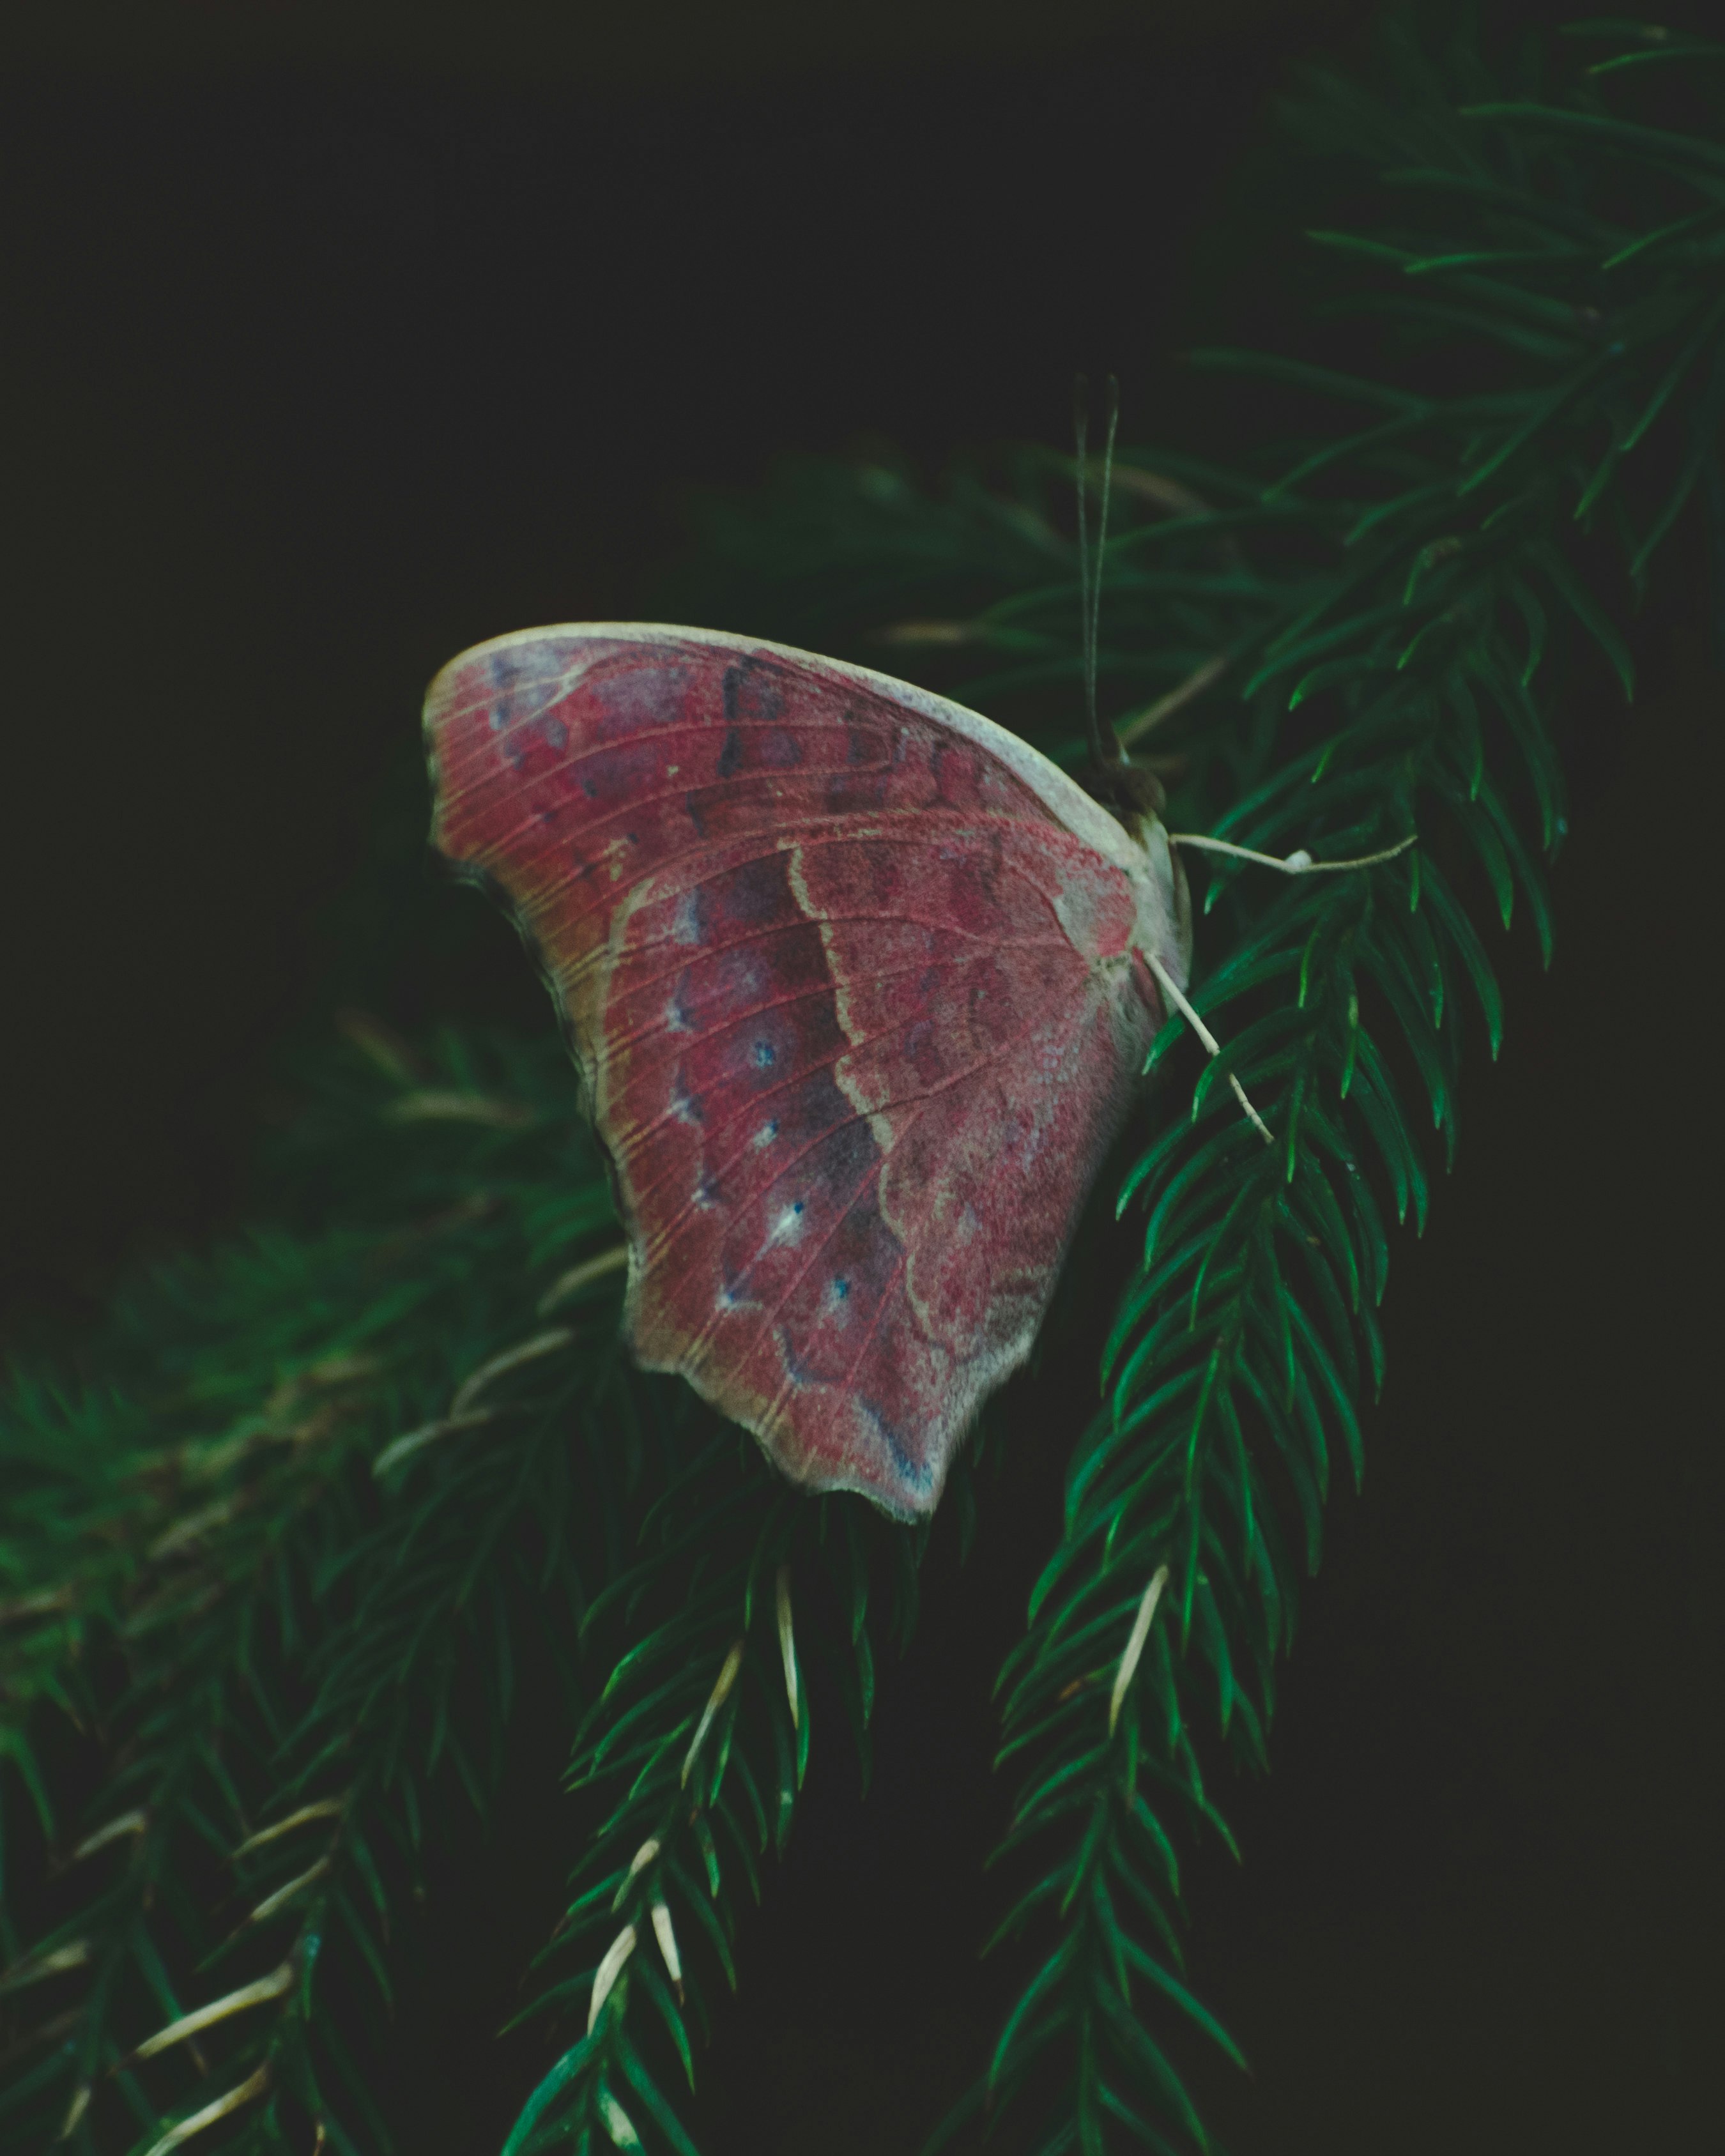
x=1081, y=436
x=1100, y=741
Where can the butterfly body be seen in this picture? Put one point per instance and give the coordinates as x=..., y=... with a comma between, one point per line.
x=857, y=983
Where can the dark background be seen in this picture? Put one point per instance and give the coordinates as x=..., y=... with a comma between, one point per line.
x=339, y=337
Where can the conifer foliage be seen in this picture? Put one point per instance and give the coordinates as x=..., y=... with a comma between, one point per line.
x=269, y=1563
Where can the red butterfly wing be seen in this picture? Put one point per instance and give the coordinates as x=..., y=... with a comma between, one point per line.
x=858, y=1009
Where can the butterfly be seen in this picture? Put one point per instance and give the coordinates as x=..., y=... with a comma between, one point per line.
x=860, y=986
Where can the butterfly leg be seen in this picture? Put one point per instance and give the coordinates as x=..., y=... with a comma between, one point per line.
x=1172, y=989
x=1297, y=863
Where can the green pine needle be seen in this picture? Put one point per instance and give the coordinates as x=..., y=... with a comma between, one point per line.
x=274, y=1553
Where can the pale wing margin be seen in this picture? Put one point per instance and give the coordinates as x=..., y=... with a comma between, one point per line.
x=1063, y=797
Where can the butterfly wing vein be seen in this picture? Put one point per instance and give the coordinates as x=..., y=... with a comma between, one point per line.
x=857, y=1012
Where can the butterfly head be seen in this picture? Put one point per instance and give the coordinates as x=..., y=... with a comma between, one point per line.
x=1131, y=794
x=1135, y=798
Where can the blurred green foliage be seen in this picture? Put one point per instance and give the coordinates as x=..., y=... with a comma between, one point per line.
x=273, y=1542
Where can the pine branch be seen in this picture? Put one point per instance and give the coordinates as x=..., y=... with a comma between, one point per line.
x=299, y=1646
x=273, y=1561
x=1248, y=1341
x=1350, y=643
x=701, y=1740
x=280, y=1632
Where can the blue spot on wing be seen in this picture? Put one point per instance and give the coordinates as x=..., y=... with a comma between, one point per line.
x=912, y=1470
